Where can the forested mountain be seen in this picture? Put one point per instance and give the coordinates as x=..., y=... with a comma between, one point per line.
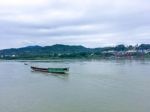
x=59, y=50
x=45, y=50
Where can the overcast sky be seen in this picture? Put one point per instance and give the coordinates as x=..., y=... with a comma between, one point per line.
x=92, y=23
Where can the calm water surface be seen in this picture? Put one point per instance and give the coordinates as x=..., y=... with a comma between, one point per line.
x=90, y=86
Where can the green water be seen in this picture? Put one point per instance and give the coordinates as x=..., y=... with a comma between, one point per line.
x=90, y=86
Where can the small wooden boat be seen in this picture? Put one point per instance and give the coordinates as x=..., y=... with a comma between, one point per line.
x=25, y=64
x=51, y=70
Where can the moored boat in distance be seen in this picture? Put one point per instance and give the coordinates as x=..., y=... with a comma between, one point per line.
x=25, y=63
x=51, y=70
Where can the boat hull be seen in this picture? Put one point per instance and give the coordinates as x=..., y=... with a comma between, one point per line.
x=51, y=70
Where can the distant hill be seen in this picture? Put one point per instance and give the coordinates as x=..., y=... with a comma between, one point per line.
x=38, y=50
x=61, y=51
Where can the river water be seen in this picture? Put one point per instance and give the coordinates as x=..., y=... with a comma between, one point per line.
x=90, y=86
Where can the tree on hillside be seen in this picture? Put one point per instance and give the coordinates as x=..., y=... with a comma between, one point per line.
x=120, y=47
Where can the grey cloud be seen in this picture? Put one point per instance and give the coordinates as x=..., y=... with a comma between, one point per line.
x=67, y=20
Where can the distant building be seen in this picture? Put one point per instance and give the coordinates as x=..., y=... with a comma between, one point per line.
x=13, y=56
x=131, y=51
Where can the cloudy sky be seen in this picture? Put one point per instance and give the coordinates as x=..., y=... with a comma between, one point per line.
x=92, y=23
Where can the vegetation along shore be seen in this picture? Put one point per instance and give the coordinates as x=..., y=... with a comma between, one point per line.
x=59, y=51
